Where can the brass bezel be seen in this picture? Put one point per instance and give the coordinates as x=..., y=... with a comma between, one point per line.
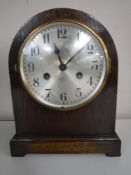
x=107, y=72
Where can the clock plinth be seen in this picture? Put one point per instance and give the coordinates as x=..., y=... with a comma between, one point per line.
x=89, y=128
x=110, y=145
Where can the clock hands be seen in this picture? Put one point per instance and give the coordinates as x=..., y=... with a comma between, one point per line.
x=57, y=52
x=75, y=54
x=63, y=66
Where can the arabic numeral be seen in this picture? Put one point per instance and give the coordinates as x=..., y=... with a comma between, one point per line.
x=95, y=65
x=36, y=82
x=90, y=81
x=35, y=51
x=30, y=67
x=46, y=38
x=63, y=96
x=62, y=33
x=90, y=48
x=78, y=92
x=48, y=94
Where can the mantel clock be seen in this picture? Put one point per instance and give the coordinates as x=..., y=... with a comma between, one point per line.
x=63, y=74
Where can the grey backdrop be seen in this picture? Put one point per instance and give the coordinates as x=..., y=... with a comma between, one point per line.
x=114, y=14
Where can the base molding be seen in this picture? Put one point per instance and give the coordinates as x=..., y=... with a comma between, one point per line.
x=110, y=145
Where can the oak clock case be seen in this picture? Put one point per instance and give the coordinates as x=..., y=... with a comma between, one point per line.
x=63, y=73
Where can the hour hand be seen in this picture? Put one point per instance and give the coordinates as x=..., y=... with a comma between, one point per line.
x=57, y=52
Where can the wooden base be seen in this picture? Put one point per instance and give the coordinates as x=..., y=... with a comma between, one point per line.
x=110, y=145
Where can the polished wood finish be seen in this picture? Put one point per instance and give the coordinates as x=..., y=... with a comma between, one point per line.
x=23, y=145
x=33, y=120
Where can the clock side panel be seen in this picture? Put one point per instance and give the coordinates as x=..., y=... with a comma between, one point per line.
x=31, y=118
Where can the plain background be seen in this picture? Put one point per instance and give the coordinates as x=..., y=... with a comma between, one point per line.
x=115, y=15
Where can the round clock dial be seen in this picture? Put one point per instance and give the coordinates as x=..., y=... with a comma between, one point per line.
x=63, y=64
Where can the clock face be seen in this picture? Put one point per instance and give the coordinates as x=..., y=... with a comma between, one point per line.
x=63, y=65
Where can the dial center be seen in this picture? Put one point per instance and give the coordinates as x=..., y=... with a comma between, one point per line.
x=62, y=67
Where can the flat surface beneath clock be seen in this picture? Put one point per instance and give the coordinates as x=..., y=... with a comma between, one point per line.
x=61, y=164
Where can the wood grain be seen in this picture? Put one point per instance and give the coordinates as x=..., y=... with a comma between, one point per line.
x=102, y=144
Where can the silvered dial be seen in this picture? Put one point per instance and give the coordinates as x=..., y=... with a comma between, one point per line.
x=63, y=65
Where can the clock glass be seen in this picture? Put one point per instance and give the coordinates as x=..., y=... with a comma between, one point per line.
x=63, y=64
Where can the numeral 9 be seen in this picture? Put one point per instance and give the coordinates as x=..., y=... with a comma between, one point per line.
x=30, y=67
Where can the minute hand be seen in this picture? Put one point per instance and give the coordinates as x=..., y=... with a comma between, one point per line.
x=75, y=54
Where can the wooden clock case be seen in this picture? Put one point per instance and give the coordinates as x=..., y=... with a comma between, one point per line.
x=88, y=129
